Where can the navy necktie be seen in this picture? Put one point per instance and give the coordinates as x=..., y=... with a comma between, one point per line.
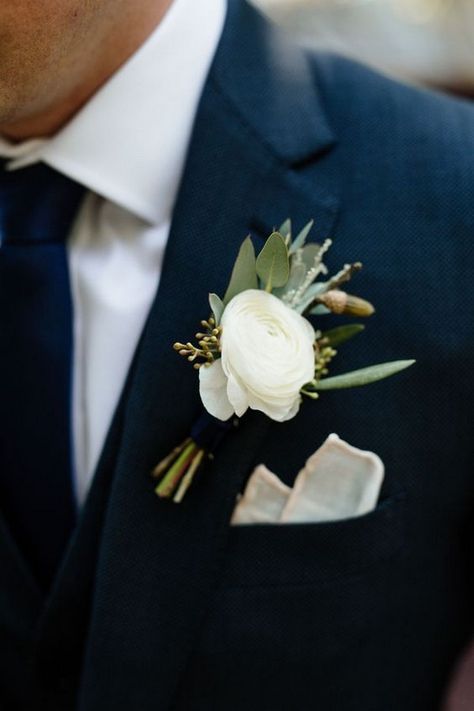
x=37, y=206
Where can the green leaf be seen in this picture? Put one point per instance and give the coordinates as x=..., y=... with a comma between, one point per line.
x=244, y=273
x=319, y=310
x=217, y=307
x=273, y=266
x=285, y=231
x=295, y=279
x=362, y=376
x=309, y=254
x=309, y=296
x=300, y=239
x=341, y=334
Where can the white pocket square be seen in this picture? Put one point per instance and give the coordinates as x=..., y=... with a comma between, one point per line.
x=338, y=481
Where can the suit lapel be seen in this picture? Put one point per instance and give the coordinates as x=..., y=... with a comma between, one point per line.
x=158, y=561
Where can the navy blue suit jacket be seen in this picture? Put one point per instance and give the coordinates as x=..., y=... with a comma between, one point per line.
x=163, y=607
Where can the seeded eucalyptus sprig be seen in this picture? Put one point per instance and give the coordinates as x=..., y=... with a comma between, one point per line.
x=208, y=348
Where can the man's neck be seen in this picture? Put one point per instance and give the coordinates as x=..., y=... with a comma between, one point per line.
x=113, y=54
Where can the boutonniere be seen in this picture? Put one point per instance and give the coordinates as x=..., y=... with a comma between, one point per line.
x=261, y=347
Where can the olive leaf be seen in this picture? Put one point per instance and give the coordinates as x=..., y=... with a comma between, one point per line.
x=319, y=310
x=341, y=334
x=300, y=239
x=217, y=307
x=244, y=273
x=272, y=263
x=309, y=296
x=285, y=231
x=364, y=376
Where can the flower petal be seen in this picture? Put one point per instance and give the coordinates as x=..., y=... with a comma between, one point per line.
x=213, y=391
x=280, y=411
x=267, y=352
x=237, y=395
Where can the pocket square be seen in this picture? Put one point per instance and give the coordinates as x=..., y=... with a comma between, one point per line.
x=338, y=481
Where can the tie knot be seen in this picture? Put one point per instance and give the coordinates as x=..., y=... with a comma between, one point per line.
x=37, y=204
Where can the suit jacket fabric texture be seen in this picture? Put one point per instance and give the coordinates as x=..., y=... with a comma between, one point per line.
x=159, y=606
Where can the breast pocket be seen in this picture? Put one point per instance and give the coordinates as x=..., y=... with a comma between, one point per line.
x=303, y=614
x=311, y=553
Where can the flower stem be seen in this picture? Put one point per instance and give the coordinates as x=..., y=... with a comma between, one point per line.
x=187, y=479
x=171, y=479
x=162, y=466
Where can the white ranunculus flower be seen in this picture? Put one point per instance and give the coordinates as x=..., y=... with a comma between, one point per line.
x=266, y=357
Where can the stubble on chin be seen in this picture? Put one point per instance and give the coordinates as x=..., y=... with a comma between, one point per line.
x=24, y=83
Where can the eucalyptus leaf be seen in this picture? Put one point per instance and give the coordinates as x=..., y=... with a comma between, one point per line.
x=272, y=263
x=244, y=273
x=296, y=278
x=300, y=239
x=301, y=262
x=341, y=334
x=217, y=307
x=364, y=376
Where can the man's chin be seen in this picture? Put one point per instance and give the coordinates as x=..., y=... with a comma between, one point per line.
x=16, y=122
x=10, y=111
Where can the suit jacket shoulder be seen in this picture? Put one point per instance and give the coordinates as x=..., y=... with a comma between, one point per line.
x=418, y=133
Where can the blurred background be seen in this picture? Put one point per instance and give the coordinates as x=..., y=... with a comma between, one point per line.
x=428, y=42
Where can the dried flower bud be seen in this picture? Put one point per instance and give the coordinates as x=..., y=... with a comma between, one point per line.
x=339, y=302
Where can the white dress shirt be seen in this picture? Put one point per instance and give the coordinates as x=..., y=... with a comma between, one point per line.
x=127, y=146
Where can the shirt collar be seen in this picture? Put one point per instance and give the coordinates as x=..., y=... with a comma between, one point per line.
x=129, y=142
